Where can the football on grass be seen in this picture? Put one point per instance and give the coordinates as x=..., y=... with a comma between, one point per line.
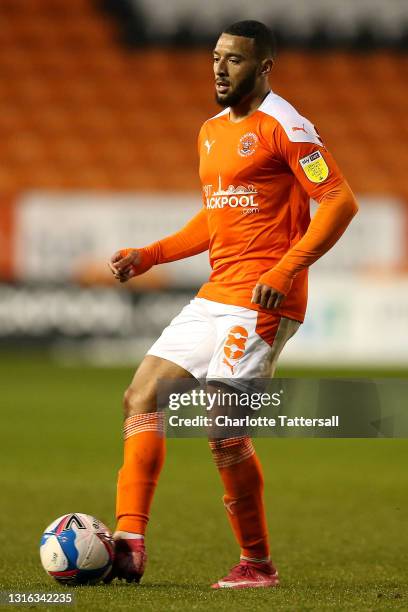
x=77, y=549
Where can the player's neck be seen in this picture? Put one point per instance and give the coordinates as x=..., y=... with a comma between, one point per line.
x=247, y=107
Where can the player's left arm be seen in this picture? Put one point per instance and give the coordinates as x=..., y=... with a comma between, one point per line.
x=320, y=176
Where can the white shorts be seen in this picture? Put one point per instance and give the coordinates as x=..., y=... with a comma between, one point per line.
x=213, y=340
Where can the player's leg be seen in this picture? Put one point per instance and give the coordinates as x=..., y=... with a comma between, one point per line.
x=144, y=443
x=144, y=452
x=182, y=352
x=241, y=473
x=249, y=355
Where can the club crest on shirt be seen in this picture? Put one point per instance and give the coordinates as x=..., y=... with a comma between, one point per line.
x=247, y=144
x=315, y=167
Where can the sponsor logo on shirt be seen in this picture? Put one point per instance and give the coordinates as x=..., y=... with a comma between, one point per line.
x=248, y=144
x=234, y=197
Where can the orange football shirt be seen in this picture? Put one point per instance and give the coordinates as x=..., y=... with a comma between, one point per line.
x=258, y=176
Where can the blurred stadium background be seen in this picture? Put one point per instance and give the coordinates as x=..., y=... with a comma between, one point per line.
x=101, y=103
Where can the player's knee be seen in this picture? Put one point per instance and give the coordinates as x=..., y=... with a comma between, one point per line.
x=137, y=401
x=131, y=402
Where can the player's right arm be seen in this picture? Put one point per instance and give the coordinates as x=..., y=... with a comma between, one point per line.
x=192, y=239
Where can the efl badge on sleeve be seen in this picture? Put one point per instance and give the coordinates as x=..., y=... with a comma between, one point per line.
x=315, y=167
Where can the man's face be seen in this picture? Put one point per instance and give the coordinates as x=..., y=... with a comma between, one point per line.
x=236, y=69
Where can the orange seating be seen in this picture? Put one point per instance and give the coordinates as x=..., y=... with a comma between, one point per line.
x=78, y=111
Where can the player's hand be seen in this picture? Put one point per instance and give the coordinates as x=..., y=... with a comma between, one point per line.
x=266, y=296
x=124, y=264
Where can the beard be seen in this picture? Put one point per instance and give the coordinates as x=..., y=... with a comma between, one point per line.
x=242, y=90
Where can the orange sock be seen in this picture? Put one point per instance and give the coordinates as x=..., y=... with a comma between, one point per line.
x=241, y=474
x=144, y=451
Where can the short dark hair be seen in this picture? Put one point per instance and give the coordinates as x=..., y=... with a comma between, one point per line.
x=263, y=37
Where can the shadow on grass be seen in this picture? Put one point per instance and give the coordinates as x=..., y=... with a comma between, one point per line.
x=145, y=586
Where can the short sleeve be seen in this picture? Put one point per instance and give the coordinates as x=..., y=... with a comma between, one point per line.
x=311, y=163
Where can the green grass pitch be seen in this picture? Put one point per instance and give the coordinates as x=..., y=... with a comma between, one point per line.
x=337, y=508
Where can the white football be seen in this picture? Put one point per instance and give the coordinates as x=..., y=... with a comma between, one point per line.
x=77, y=549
